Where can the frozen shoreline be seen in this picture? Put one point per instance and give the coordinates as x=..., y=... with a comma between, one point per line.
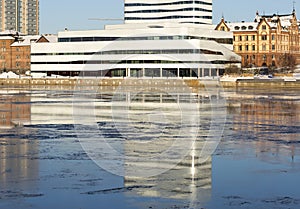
x=226, y=82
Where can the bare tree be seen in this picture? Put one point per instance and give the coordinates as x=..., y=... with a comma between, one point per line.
x=232, y=67
x=287, y=61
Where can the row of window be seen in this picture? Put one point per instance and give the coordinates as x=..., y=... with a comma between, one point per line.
x=168, y=17
x=263, y=57
x=253, y=48
x=169, y=10
x=149, y=72
x=163, y=4
x=250, y=27
x=17, y=64
x=130, y=62
x=243, y=27
x=252, y=38
x=264, y=37
x=178, y=37
x=113, y=52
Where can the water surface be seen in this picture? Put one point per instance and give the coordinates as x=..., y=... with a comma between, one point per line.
x=43, y=164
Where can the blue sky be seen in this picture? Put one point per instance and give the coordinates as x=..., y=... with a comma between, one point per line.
x=55, y=15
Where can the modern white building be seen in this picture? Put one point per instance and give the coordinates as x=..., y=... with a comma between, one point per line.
x=159, y=39
x=188, y=11
x=137, y=50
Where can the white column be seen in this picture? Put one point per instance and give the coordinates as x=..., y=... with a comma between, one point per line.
x=127, y=72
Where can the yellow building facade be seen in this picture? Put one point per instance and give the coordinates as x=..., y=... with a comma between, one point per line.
x=267, y=41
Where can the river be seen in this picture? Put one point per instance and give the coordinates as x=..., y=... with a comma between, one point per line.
x=126, y=147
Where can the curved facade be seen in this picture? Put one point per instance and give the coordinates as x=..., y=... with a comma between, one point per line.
x=136, y=50
x=179, y=11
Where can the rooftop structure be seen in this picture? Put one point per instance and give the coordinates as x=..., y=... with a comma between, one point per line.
x=151, y=11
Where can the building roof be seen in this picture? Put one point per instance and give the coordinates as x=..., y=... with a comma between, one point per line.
x=243, y=26
x=51, y=38
x=285, y=20
x=26, y=40
x=275, y=20
x=10, y=33
x=6, y=38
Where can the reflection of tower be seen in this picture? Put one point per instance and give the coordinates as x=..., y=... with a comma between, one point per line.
x=16, y=165
x=156, y=123
x=15, y=153
x=187, y=181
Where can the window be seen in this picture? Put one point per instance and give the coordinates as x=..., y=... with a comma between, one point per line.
x=250, y=27
x=247, y=38
x=253, y=57
x=264, y=47
x=264, y=27
x=264, y=37
x=222, y=28
x=273, y=47
x=236, y=28
x=244, y=27
x=264, y=57
x=240, y=47
x=253, y=47
x=233, y=38
x=247, y=48
x=240, y=38
x=253, y=38
x=273, y=37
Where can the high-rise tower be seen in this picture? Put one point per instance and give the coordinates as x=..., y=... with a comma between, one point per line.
x=179, y=11
x=20, y=15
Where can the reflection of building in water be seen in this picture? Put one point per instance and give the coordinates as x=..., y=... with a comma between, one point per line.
x=268, y=112
x=15, y=110
x=275, y=124
x=147, y=122
x=157, y=120
x=187, y=181
x=16, y=165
